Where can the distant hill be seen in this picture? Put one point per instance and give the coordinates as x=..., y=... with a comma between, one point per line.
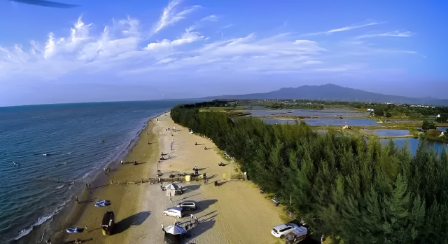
x=334, y=92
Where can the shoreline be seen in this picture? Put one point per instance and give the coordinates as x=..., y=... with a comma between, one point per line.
x=69, y=214
x=226, y=214
x=85, y=214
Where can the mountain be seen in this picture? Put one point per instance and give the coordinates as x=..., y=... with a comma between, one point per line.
x=335, y=92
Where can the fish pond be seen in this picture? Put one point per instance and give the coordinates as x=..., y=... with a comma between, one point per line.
x=340, y=122
x=306, y=112
x=412, y=144
x=391, y=132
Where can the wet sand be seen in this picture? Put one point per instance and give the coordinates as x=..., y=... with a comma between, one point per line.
x=124, y=198
x=234, y=212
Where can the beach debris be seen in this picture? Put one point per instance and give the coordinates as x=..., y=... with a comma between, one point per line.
x=102, y=203
x=75, y=230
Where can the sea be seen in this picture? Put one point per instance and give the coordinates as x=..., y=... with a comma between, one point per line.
x=49, y=152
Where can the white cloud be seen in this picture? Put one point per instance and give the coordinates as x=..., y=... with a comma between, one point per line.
x=227, y=26
x=279, y=53
x=210, y=18
x=347, y=28
x=122, y=48
x=169, y=16
x=187, y=37
x=389, y=34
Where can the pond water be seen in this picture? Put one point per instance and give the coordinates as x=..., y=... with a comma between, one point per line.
x=442, y=128
x=270, y=121
x=307, y=112
x=413, y=144
x=340, y=122
x=391, y=132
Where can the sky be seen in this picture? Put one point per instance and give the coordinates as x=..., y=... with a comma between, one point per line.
x=144, y=50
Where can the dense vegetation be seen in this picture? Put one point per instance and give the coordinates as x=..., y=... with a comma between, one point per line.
x=338, y=184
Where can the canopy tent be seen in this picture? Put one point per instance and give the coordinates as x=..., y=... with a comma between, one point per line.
x=297, y=234
x=300, y=231
x=171, y=189
x=173, y=234
x=172, y=186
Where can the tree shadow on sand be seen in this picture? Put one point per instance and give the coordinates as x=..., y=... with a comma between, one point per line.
x=204, y=204
x=136, y=219
x=203, y=226
x=79, y=241
x=190, y=188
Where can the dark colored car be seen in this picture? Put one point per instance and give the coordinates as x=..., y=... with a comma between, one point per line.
x=188, y=205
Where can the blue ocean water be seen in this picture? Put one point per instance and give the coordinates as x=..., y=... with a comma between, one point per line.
x=47, y=152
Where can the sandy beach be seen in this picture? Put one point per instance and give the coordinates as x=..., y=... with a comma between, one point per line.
x=234, y=212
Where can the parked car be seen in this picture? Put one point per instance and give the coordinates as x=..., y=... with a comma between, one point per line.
x=174, y=211
x=283, y=229
x=188, y=205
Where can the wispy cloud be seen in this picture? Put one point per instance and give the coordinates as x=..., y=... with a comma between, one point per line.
x=280, y=53
x=227, y=26
x=347, y=28
x=123, y=48
x=186, y=38
x=389, y=34
x=169, y=15
x=210, y=18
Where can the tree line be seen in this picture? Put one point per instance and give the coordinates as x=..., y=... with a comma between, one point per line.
x=339, y=184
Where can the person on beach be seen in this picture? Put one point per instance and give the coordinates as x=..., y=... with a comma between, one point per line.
x=76, y=199
x=163, y=227
x=191, y=216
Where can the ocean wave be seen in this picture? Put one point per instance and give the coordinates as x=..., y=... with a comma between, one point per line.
x=56, y=165
x=40, y=221
x=59, y=187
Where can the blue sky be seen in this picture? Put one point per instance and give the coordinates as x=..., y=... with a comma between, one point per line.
x=141, y=50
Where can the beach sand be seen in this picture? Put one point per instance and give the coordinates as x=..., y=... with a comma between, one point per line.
x=124, y=198
x=234, y=212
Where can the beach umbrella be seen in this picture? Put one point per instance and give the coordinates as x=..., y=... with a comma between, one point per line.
x=173, y=234
x=174, y=230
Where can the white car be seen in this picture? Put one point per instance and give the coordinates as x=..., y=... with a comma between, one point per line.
x=174, y=211
x=283, y=229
